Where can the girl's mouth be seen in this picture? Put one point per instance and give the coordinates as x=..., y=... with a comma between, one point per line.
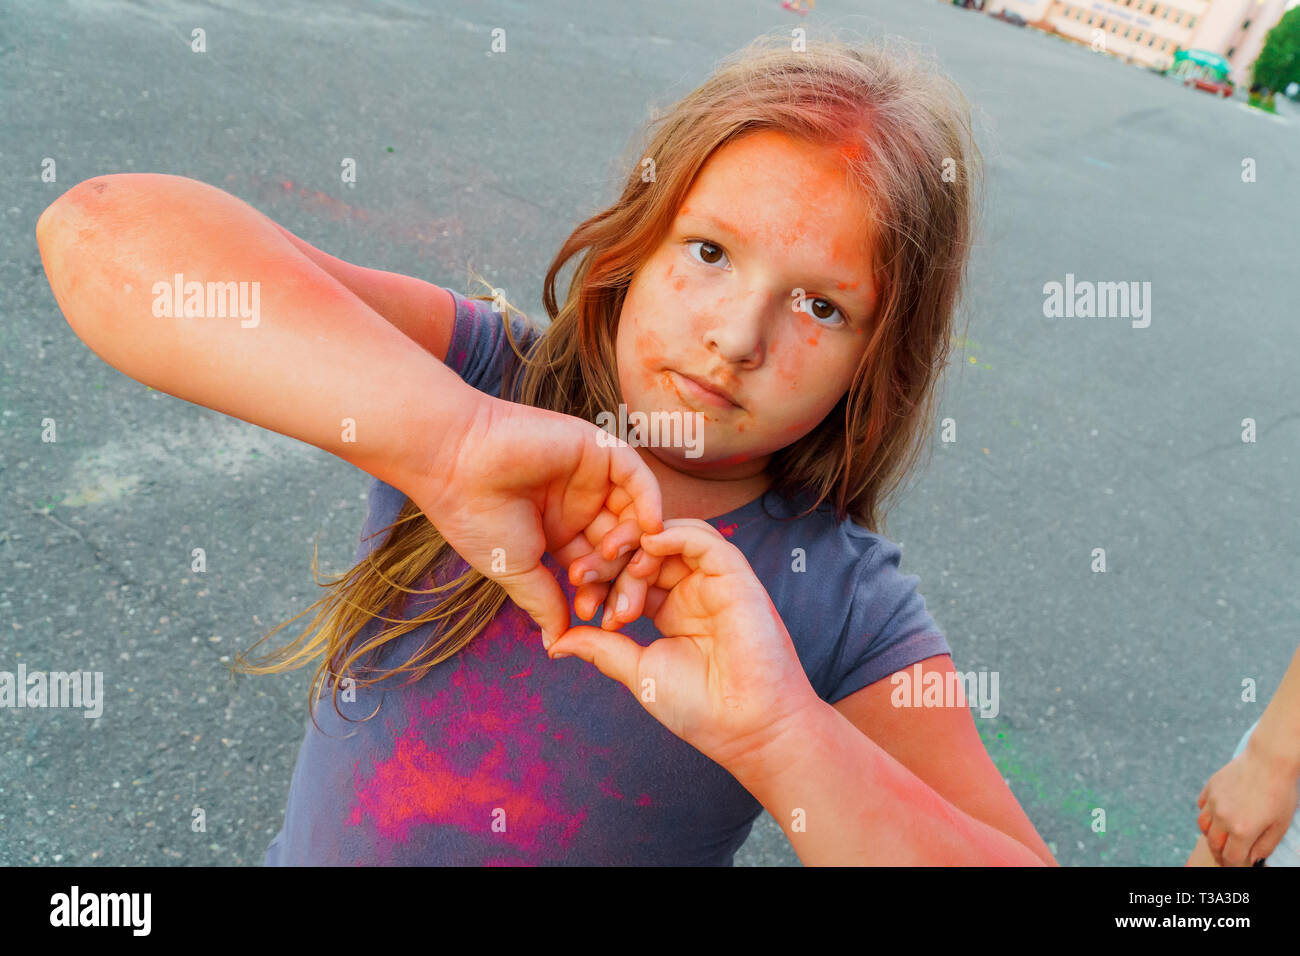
x=692, y=393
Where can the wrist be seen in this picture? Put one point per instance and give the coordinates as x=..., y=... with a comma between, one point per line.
x=436, y=424
x=783, y=746
x=1275, y=746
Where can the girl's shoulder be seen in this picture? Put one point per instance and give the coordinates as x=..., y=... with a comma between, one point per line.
x=855, y=617
x=479, y=346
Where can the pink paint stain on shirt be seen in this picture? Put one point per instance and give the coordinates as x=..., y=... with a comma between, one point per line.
x=727, y=530
x=430, y=780
x=509, y=784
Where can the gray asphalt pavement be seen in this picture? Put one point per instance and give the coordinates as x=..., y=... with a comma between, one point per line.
x=1119, y=691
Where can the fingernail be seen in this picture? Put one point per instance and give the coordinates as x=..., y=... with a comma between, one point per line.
x=622, y=604
x=609, y=616
x=623, y=550
x=589, y=577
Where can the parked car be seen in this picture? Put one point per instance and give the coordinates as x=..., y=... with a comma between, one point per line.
x=1209, y=84
x=1009, y=16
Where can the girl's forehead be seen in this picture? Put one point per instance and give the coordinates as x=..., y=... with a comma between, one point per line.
x=769, y=169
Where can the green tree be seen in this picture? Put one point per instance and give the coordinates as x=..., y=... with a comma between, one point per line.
x=1279, y=62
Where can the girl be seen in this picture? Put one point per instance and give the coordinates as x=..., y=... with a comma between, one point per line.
x=784, y=264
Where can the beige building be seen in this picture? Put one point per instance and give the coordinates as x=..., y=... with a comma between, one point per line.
x=1150, y=32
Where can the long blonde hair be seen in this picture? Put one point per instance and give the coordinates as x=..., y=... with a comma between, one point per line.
x=904, y=132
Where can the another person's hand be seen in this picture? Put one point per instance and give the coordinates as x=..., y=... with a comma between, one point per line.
x=724, y=676
x=1247, y=807
x=516, y=481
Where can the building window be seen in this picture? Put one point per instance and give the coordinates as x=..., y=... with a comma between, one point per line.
x=1178, y=18
x=1231, y=50
x=1152, y=41
x=1127, y=32
x=1191, y=23
x=1246, y=25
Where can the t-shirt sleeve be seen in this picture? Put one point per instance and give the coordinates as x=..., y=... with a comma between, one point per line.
x=889, y=627
x=479, y=347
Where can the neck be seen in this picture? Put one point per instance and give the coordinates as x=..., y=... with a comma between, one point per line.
x=690, y=496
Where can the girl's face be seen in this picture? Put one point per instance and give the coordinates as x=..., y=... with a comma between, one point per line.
x=766, y=216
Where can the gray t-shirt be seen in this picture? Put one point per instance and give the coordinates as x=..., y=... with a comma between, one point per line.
x=501, y=756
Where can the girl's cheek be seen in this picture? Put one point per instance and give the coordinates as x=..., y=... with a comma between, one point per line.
x=648, y=355
x=790, y=365
x=676, y=282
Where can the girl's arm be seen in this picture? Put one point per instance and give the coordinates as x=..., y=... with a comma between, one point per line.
x=311, y=359
x=422, y=310
x=1278, y=734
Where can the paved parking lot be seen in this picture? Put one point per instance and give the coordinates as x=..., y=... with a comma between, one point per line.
x=1119, y=691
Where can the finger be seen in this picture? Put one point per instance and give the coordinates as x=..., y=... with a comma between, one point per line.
x=1215, y=839
x=589, y=597
x=654, y=600
x=538, y=594
x=615, y=655
x=699, y=544
x=625, y=601
x=579, y=547
x=644, y=565
x=1266, y=844
x=1200, y=801
x=629, y=472
x=621, y=539
x=584, y=545
x=672, y=569
x=608, y=536
x=619, y=501
x=593, y=568
x=1237, y=848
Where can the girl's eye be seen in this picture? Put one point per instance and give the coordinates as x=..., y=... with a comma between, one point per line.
x=704, y=242
x=811, y=303
x=812, y=309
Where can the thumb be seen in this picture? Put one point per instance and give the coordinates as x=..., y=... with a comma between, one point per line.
x=615, y=654
x=538, y=594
